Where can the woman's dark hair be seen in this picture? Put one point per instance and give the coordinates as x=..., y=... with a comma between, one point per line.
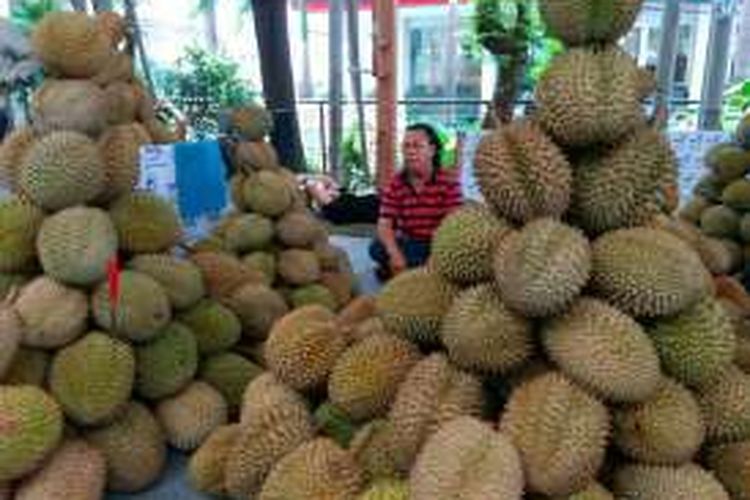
x=433, y=138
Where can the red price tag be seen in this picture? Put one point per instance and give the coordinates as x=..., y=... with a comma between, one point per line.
x=113, y=281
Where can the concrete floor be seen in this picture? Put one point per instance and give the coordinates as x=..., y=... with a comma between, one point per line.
x=173, y=484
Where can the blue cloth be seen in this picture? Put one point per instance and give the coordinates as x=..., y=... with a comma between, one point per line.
x=200, y=177
x=416, y=252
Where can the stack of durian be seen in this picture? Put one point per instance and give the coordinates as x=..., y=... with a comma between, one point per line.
x=720, y=207
x=100, y=368
x=562, y=342
x=271, y=238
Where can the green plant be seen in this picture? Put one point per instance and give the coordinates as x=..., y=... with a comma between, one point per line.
x=27, y=13
x=736, y=104
x=202, y=84
x=513, y=33
x=356, y=174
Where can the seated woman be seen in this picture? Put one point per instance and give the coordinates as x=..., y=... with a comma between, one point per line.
x=414, y=204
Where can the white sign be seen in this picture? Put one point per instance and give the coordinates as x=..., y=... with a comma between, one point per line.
x=158, y=171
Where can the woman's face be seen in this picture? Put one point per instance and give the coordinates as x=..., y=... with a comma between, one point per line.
x=418, y=153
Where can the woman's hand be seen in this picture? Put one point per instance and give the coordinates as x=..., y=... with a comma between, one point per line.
x=397, y=263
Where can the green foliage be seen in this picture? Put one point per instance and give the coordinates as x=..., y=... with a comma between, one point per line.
x=356, y=176
x=495, y=20
x=736, y=104
x=27, y=13
x=202, y=84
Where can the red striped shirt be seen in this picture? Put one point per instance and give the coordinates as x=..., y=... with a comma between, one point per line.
x=417, y=214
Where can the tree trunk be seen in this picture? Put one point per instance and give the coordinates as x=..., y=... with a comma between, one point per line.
x=272, y=35
x=79, y=5
x=210, y=24
x=102, y=5
x=131, y=15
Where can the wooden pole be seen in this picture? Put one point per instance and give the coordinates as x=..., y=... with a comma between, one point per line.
x=384, y=12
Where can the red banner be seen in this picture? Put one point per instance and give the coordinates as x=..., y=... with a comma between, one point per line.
x=322, y=5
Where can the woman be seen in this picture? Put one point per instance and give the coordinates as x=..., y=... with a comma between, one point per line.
x=414, y=204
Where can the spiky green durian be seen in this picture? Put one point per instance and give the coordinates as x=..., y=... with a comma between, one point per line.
x=522, y=174
x=264, y=394
x=145, y=222
x=265, y=439
x=725, y=403
x=728, y=162
x=737, y=195
x=693, y=209
x=466, y=458
x=60, y=170
x=28, y=367
x=463, y=247
x=585, y=22
x=300, y=229
x=481, y=333
x=731, y=465
x=575, y=101
x=657, y=482
x=413, y=304
x=92, y=378
x=14, y=146
x=543, y=269
x=720, y=221
x=366, y=377
x=267, y=193
x=181, y=279
x=216, y=328
x=386, y=490
x=313, y=294
x=560, y=431
x=604, y=350
x=191, y=415
x=69, y=104
x=250, y=121
x=433, y=393
x=71, y=44
x=301, y=350
x=76, y=470
x=76, y=245
x=205, y=469
x=252, y=156
x=696, y=344
x=646, y=272
x=167, y=363
x=667, y=428
x=316, y=469
x=52, y=314
x=263, y=263
x=627, y=186
x=248, y=232
x=224, y=273
x=257, y=307
x=20, y=222
x=11, y=333
x=299, y=267
x=710, y=187
x=134, y=448
x=141, y=310
x=120, y=149
x=229, y=373
x=32, y=428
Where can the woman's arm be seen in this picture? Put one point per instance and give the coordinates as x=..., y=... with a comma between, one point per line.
x=387, y=236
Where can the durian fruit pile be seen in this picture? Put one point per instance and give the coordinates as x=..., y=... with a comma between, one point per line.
x=718, y=215
x=101, y=368
x=561, y=343
x=270, y=238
